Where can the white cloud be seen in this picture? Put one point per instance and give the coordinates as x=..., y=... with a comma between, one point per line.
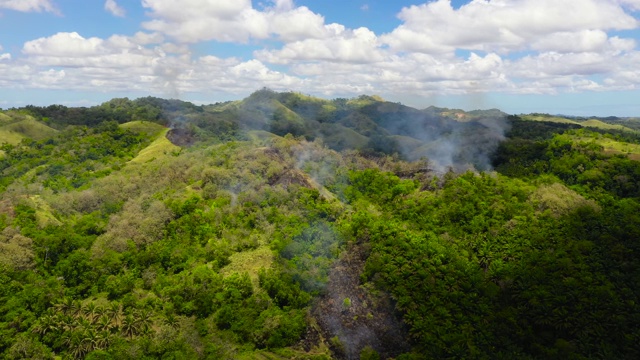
x=28, y=5
x=340, y=44
x=5, y=56
x=501, y=25
x=554, y=64
x=232, y=21
x=143, y=38
x=64, y=45
x=133, y=63
x=113, y=7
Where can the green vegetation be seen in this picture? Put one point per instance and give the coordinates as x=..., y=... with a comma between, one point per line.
x=284, y=226
x=15, y=126
x=586, y=122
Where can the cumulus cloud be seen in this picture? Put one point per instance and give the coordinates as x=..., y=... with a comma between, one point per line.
x=143, y=62
x=113, y=7
x=232, y=21
x=340, y=44
x=28, y=5
x=502, y=25
x=63, y=44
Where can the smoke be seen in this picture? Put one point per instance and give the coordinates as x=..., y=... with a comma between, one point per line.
x=450, y=140
x=167, y=78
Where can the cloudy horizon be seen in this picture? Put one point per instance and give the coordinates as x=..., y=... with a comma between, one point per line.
x=575, y=57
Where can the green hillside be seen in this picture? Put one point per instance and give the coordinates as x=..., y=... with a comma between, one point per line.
x=15, y=126
x=602, y=125
x=594, y=123
x=283, y=226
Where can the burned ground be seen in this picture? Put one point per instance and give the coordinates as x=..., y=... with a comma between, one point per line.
x=352, y=316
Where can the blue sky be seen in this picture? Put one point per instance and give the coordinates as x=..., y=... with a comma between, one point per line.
x=576, y=57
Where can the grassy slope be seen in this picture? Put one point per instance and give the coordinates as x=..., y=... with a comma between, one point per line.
x=555, y=119
x=160, y=147
x=13, y=130
x=602, y=125
x=150, y=128
x=594, y=123
x=250, y=261
x=614, y=147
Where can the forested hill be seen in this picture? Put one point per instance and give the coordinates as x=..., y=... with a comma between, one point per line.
x=284, y=226
x=366, y=123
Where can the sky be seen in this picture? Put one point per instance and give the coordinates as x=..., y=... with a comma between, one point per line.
x=572, y=57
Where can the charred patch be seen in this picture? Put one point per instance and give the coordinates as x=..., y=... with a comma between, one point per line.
x=351, y=317
x=181, y=137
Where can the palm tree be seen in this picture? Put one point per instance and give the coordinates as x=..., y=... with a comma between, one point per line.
x=83, y=324
x=129, y=326
x=100, y=310
x=90, y=312
x=115, y=313
x=103, y=339
x=90, y=340
x=104, y=323
x=45, y=324
x=144, y=320
x=76, y=309
x=78, y=347
x=64, y=305
x=67, y=322
x=171, y=321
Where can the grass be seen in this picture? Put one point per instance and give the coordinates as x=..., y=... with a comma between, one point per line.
x=614, y=147
x=603, y=125
x=594, y=123
x=141, y=126
x=549, y=118
x=160, y=147
x=261, y=135
x=4, y=118
x=286, y=353
x=44, y=213
x=337, y=135
x=250, y=261
x=362, y=101
x=14, y=130
x=10, y=137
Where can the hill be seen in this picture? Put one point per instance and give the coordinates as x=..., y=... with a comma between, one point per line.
x=15, y=126
x=599, y=123
x=283, y=226
x=365, y=123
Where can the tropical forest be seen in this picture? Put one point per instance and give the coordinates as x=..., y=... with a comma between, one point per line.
x=286, y=226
